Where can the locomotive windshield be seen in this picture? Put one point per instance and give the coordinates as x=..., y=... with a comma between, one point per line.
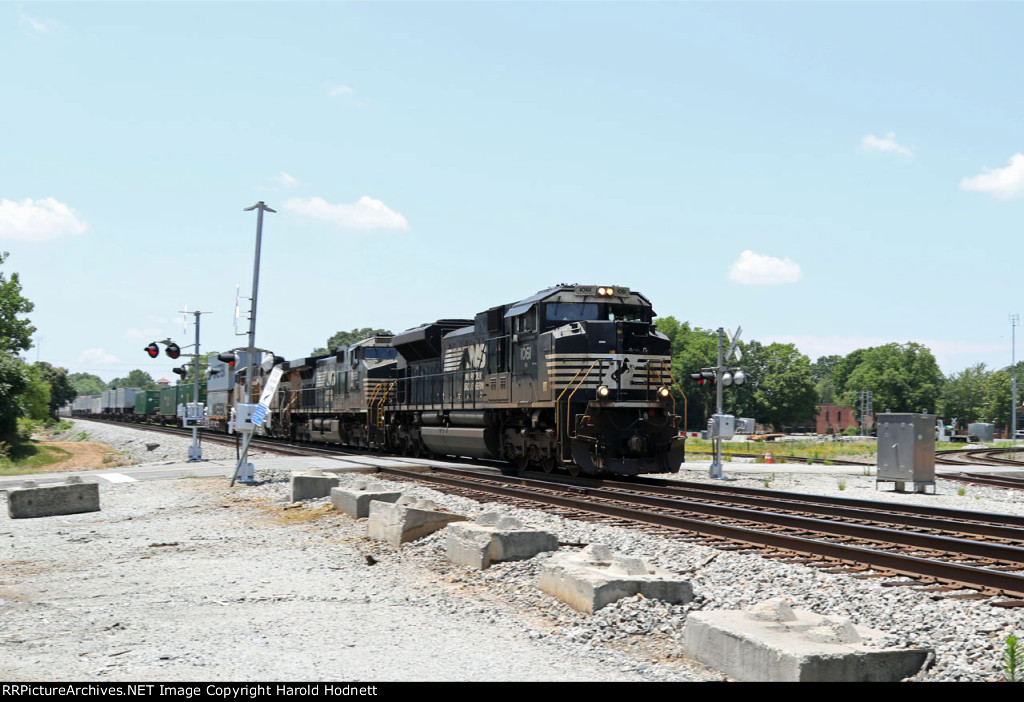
x=379, y=352
x=560, y=312
x=572, y=311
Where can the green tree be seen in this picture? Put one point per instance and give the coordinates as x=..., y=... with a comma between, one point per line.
x=13, y=382
x=61, y=389
x=344, y=338
x=965, y=394
x=822, y=371
x=999, y=396
x=35, y=398
x=901, y=377
x=87, y=383
x=780, y=389
x=692, y=350
x=135, y=379
x=15, y=332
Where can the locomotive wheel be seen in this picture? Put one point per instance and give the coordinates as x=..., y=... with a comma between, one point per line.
x=574, y=470
x=547, y=464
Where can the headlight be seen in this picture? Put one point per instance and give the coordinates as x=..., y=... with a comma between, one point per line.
x=662, y=391
x=602, y=391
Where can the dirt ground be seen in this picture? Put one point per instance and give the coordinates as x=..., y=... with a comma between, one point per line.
x=85, y=455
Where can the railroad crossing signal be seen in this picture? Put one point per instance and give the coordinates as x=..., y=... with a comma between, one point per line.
x=181, y=371
x=706, y=377
x=229, y=357
x=153, y=350
x=173, y=350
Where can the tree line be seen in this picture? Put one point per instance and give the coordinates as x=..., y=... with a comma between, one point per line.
x=784, y=386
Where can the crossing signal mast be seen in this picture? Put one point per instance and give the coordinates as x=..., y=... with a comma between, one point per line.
x=192, y=413
x=721, y=425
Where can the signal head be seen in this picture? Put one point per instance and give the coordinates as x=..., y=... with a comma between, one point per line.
x=173, y=350
x=153, y=350
x=229, y=357
x=181, y=371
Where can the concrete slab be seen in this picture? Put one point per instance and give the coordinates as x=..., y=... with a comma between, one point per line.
x=407, y=520
x=590, y=579
x=775, y=643
x=493, y=537
x=71, y=497
x=311, y=483
x=355, y=500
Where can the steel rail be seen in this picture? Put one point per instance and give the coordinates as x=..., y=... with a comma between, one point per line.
x=866, y=511
x=971, y=576
x=943, y=544
x=896, y=507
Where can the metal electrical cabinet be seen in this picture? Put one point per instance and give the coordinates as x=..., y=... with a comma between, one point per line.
x=906, y=450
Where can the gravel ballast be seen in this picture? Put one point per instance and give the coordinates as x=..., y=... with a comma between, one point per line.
x=192, y=580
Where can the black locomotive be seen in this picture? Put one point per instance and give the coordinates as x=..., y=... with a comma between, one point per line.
x=576, y=376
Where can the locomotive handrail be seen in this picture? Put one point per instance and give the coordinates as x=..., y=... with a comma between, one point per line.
x=558, y=404
x=568, y=402
x=681, y=393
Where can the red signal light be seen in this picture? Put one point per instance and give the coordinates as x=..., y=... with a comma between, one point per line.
x=173, y=350
x=153, y=350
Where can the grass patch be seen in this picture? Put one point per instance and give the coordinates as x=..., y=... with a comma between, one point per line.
x=804, y=450
x=30, y=457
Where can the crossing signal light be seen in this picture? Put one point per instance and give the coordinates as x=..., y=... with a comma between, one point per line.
x=703, y=377
x=153, y=350
x=172, y=350
x=229, y=357
x=181, y=371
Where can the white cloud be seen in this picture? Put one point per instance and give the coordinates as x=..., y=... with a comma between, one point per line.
x=286, y=179
x=1003, y=183
x=339, y=90
x=34, y=25
x=754, y=269
x=367, y=213
x=95, y=357
x=886, y=145
x=38, y=220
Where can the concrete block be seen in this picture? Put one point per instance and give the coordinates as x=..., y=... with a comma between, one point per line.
x=311, y=483
x=595, y=577
x=355, y=500
x=407, y=520
x=492, y=538
x=70, y=497
x=775, y=643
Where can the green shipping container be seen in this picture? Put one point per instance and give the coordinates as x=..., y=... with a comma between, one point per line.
x=147, y=402
x=173, y=396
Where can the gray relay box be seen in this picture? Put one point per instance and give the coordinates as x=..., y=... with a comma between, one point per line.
x=906, y=450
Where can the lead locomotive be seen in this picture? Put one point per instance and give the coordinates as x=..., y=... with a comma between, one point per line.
x=576, y=376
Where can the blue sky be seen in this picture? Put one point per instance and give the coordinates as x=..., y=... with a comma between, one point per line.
x=835, y=175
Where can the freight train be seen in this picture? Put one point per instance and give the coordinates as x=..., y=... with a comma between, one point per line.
x=574, y=377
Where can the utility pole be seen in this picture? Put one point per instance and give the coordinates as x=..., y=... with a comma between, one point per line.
x=1014, y=321
x=243, y=469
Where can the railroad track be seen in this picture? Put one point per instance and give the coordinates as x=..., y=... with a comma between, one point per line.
x=941, y=548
